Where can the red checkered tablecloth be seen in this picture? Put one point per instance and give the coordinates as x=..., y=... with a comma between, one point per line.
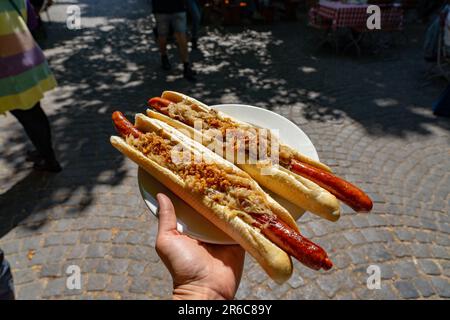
x=342, y=15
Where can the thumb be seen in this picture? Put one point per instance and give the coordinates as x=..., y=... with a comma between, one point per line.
x=166, y=213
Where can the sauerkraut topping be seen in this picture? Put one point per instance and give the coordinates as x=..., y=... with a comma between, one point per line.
x=215, y=126
x=222, y=186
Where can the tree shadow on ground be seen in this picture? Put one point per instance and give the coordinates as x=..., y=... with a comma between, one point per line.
x=114, y=65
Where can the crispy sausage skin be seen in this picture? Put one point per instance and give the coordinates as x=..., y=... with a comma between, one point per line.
x=304, y=250
x=160, y=104
x=343, y=190
x=123, y=126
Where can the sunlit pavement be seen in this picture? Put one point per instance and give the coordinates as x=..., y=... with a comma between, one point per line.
x=369, y=118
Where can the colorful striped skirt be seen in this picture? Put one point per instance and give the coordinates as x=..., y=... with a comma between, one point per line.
x=24, y=72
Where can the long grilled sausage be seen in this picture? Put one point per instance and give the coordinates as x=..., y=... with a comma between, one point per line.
x=123, y=126
x=343, y=190
x=301, y=248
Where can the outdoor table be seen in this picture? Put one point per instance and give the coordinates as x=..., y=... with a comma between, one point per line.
x=334, y=16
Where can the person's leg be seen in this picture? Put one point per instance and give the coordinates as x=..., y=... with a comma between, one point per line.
x=194, y=10
x=182, y=46
x=162, y=43
x=37, y=128
x=162, y=25
x=6, y=280
x=178, y=22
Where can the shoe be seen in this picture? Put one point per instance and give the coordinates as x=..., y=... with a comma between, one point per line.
x=46, y=165
x=165, y=64
x=189, y=74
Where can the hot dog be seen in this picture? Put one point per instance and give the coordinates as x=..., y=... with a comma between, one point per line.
x=220, y=191
x=314, y=189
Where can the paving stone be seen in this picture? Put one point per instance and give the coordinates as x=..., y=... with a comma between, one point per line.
x=424, y=287
x=88, y=237
x=160, y=289
x=445, y=265
x=54, y=288
x=10, y=247
x=440, y=252
x=30, y=291
x=387, y=272
x=358, y=255
x=331, y=283
x=378, y=253
x=97, y=282
x=21, y=277
x=405, y=269
x=136, y=268
x=406, y=289
x=119, y=266
x=53, y=239
x=77, y=251
x=63, y=225
x=404, y=234
x=96, y=250
x=140, y=285
x=120, y=238
x=91, y=265
x=312, y=292
x=30, y=243
x=139, y=253
x=296, y=281
x=319, y=228
x=442, y=286
x=104, y=236
x=245, y=290
x=70, y=238
x=119, y=251
x=420, y=250
x=57, y=253
x=51, y=270
x=262, y=293
x=429, y=267
x=355, y=237
x=376, y=220
x=118, y=284
x=134, y=238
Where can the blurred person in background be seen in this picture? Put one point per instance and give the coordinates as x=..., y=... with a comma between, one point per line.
x=196, y=16
x=24, y=78
x=172, y=14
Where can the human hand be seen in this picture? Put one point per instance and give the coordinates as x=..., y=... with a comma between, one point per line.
x=199, y=270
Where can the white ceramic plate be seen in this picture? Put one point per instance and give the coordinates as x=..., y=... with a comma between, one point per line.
x=192, y=223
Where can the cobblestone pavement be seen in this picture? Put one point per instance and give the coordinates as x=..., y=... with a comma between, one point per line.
x=369, y=118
